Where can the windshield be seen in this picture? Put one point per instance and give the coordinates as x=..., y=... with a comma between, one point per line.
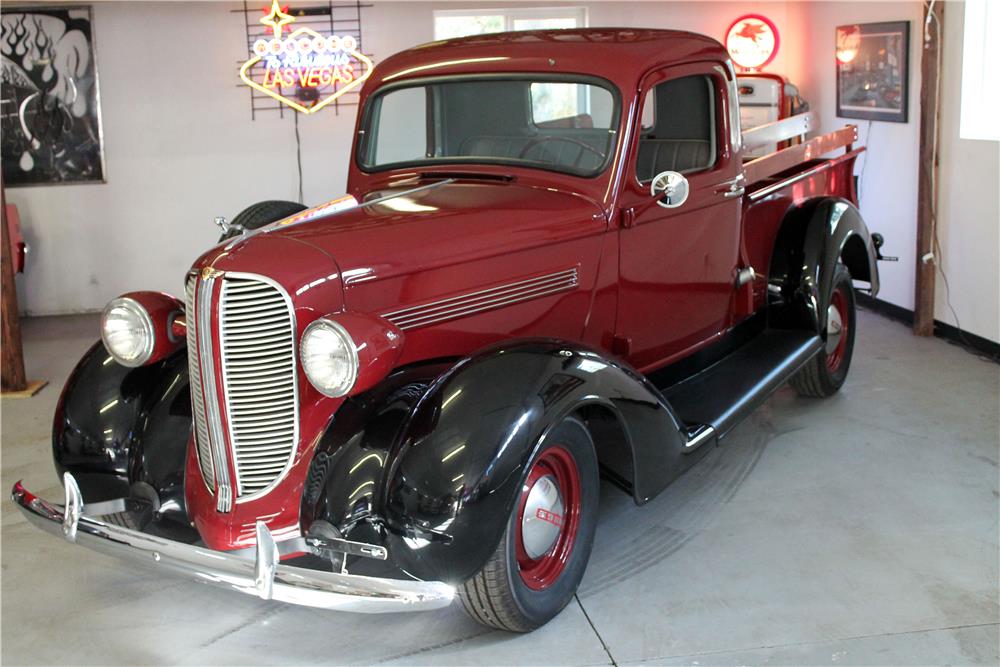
x=561, y=125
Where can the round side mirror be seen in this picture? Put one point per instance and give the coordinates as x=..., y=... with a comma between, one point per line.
x=670, y=189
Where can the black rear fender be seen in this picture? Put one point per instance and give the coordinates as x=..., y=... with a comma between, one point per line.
x=115, y=426
x=812, y=239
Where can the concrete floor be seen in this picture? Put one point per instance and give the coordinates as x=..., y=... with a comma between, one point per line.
x=857, y=530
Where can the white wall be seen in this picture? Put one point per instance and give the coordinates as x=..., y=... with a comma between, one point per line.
x=969, y=206
x=181, y=147
x=889, y=185
x=969, y=226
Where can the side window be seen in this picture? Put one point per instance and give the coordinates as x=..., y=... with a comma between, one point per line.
x=677, y=127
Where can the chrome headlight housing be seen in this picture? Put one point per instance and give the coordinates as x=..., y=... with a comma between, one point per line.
x=329, y=357
x=127, y=332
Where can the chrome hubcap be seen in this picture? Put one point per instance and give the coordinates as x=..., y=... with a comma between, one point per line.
x=543, y=517
x=834, y=328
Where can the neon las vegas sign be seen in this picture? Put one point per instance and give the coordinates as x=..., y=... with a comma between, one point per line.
x=330, y=65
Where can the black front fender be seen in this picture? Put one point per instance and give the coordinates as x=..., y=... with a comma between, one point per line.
x=811, y=240
x=458, y=463
x=115, y=426
x=347, y=471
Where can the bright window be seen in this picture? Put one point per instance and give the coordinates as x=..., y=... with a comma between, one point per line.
x=519, y=120
x=450, y=23
x=980, y=53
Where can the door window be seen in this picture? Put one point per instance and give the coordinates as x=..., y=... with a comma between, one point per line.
x=677, y=127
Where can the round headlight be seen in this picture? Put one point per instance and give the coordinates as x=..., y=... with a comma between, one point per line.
x=329, y=357
x=127, y=332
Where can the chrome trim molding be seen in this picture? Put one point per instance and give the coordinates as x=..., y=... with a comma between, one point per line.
x=203, y=445
x=263, y=576
x=456, y=307
x=774, y=187
x=210, y=444
x=698, y=437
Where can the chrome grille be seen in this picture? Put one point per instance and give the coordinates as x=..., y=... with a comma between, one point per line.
x=202, y=442
x=257, y=327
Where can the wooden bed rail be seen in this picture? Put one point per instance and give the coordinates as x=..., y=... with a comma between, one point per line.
x=787, y=158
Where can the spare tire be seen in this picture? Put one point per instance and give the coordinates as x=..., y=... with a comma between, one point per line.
x=260, y=214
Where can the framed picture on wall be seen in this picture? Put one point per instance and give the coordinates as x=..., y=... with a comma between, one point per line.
x=51, y=114
x=873, y=71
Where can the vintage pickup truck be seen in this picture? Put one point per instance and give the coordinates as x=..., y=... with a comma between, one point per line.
x=554, y=264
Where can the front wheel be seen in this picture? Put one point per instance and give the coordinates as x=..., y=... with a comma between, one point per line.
x=542, y=556
x=826, y=372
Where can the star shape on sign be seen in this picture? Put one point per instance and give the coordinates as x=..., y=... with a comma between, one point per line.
x=277, y=18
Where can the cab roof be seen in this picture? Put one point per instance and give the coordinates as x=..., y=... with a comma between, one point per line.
x=620, y=55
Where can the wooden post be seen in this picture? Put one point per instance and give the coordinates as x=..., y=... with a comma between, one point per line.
x=923, y=310
x=12, y=376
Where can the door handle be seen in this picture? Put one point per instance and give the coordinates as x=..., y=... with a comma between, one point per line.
x=731, y=188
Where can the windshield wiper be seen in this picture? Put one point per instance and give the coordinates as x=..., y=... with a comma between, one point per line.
x=467, y=175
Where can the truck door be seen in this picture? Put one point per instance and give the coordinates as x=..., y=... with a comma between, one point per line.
x=678, y=265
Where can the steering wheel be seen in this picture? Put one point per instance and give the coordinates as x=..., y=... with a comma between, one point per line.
x=584, y=146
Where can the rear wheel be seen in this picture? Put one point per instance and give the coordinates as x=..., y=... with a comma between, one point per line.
x=542, y=556
x=262, y=213
x=826, y=372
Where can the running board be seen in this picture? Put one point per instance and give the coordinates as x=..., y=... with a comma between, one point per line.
x=713, y=401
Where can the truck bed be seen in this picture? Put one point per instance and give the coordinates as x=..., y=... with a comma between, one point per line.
x=785, y=178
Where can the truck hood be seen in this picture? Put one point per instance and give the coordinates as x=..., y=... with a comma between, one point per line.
x=309, y=275
x=412, y=229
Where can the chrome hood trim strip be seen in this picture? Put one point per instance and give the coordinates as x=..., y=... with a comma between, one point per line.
x=463, y=305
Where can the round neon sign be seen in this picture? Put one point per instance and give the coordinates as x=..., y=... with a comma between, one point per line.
x=752, y=41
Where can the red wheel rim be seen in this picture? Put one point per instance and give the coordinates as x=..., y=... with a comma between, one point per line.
x=558, y=465
x=838, y=324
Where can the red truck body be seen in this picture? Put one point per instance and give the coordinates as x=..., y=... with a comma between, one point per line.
x=450, y=258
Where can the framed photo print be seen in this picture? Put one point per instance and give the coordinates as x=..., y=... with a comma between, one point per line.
x=873, y=71
x=51, y=106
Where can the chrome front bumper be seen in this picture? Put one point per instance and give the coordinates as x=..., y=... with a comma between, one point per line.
x=260, y=574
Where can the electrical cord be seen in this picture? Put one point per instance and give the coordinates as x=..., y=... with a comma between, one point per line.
x=298, y=155
x=935, y=240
